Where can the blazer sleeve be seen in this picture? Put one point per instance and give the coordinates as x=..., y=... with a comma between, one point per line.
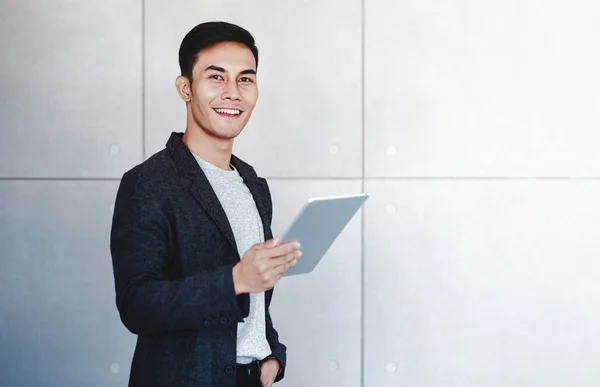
x=147, y=301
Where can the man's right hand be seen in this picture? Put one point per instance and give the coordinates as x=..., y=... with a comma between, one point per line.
x=263, y=265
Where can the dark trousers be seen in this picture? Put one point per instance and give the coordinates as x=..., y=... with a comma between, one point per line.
x=248, y=375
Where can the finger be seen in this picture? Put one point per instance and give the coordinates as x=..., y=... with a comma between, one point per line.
x=289, y=265
x=285, y=259
x=265, y=381
x=278, y=251
x=281, y=250
x=280, y=270
x=267, y=244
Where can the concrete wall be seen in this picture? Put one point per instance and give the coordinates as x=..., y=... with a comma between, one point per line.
x=472, y=124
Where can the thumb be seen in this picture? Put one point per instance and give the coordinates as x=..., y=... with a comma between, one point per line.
x=274, y=242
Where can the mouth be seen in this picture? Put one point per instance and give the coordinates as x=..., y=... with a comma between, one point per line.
x=228, y=113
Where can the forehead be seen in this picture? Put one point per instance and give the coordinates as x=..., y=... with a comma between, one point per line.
x=231, y=56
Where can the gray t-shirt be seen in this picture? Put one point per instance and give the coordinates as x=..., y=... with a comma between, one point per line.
x=246, y=224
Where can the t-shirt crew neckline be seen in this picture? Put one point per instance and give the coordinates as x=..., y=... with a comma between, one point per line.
x=211, y=167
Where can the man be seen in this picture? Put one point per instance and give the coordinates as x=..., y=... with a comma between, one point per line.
x=182, y=220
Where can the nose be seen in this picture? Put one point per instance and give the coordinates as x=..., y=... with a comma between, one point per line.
x=231, y=90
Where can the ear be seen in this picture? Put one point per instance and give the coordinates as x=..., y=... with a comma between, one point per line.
x=184, y=89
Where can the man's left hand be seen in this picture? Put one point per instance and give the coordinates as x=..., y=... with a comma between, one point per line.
x=268, y=372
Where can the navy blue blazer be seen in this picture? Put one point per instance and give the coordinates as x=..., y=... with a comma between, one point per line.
x=173, y=251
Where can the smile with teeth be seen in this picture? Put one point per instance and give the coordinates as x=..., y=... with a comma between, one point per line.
x=229, y=112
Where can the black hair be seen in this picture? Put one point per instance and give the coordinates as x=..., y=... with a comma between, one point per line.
x=208, y=34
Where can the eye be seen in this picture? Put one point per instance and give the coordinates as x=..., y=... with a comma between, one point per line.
x=216, y=76
x=245, y=79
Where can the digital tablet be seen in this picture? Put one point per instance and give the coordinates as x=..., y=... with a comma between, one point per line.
x=318, y=225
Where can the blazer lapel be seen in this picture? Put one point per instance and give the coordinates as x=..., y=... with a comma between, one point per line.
x=256, y=186
x=196, y=182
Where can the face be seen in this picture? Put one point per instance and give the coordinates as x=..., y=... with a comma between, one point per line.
x=224, y=90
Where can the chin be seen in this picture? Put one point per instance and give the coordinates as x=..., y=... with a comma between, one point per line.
x=228, y=134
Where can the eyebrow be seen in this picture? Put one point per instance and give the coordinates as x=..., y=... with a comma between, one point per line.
x=222, y=70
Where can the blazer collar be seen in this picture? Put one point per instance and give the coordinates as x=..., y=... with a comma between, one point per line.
x=196, y=182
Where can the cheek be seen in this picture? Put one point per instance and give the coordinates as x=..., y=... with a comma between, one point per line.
x=201, y=111
x=251, y=96
x=202, y=105
x=204, y=94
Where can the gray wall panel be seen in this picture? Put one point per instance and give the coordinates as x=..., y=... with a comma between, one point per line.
x=481, y=88
x=482, y=283
x=309, y=77
x=318, y=315
x=70, y=88
x=468, y=283
x=58, y=319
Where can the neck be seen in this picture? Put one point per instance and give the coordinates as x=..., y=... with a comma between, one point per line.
x=216, y=151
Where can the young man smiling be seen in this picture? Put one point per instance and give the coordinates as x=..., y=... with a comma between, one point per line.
x=193, y=255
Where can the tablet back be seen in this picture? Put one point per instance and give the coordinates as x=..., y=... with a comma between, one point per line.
x=318, y=225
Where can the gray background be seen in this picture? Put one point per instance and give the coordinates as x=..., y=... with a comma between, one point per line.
x=472, y=124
